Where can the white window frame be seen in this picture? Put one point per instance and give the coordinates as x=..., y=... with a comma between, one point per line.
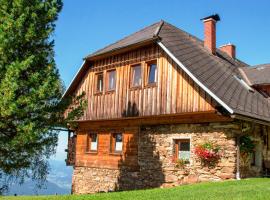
x=118, y=145
x=149, y=72
x=139, y=65
x=108, y=80
x=93, y=144
x=191, y=146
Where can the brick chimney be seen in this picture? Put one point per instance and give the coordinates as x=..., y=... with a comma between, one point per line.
x=210, y=32
x=228, y=49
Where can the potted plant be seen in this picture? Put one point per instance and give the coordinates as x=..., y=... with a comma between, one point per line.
x=181, y=163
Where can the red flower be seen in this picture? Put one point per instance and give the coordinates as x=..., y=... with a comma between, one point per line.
x=210, y=156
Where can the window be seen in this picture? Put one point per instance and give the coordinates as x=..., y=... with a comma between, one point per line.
x=92, y=142
x=152, y=73
x=182, y=149
x=117, y=142
x=111, y=80
x=136, y=76
x=99, y=82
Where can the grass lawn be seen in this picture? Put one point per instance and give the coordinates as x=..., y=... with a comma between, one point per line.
x=256, y=188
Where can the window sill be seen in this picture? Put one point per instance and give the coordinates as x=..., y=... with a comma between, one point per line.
x=115, y=153
x=98, y=93
x=109, y=91
x=151, y=85
x=91, y=152
x=136, y=88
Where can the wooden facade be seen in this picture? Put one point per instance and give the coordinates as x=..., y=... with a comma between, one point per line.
x=104, y=157
x=173, y=98
x=173, y=93
x=130, y=128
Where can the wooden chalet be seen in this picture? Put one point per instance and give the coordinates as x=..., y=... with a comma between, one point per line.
x=157, y=95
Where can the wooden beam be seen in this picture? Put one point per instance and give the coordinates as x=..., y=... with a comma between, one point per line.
x=193, y=117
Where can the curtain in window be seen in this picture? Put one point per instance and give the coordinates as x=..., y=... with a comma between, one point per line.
x=184, y=150
x=99, y=82
x=112, y=80
x=93, y=142
x=137, y=77
x=152, y=74
x=118, y=142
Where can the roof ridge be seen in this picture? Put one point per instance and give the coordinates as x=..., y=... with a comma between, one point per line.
x=117, y=41
x=185, y=32
x=158, y=28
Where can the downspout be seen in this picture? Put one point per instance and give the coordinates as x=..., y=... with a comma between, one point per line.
x=238, y=177
x=245, y=128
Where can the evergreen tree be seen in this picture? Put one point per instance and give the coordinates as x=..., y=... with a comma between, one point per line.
x=30, y=89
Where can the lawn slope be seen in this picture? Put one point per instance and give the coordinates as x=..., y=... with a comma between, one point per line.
x=257, y=188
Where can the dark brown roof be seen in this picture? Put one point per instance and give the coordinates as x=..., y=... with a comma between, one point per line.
x=145, y=34
x=258, y=75
x=218, y=73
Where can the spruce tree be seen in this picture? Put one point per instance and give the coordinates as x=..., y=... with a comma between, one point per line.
x=30, y=89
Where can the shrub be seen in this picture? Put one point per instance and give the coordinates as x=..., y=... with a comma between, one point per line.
x=246, y=145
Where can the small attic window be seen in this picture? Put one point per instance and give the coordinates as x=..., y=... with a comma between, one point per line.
x=240, y=80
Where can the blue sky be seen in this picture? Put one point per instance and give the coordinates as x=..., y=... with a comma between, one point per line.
x=85, y=26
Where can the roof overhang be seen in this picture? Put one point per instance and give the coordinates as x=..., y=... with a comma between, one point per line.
x=84, y=67
x=245, y=118
x=122, y=49
x=195, y=79
x=76, y=79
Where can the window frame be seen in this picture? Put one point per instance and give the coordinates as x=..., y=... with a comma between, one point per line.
x=113, y=143
x=108, y=80
x=176, y=147
x=148, y=67
x=131, y=76
x=89, y=143
x=96, y=83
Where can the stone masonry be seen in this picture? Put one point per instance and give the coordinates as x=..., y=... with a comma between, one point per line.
x=155, y=160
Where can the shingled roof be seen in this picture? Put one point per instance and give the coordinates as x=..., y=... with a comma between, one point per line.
x=218, y=74
x=257, y=75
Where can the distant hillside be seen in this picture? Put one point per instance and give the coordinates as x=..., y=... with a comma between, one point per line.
x=60, y=174
x=29, y=188
x=256, y=188
x=59, y=182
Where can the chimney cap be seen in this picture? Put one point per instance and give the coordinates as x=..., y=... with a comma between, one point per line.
x=214, y=17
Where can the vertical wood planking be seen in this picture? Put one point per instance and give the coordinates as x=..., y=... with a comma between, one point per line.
x=174, y=92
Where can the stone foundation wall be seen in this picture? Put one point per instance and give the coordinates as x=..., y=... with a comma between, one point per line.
x=260, y=135
x=156, y=149
x=156, y=167
x=90, y=180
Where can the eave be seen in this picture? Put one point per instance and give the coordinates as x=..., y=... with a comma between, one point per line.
x=84, y=67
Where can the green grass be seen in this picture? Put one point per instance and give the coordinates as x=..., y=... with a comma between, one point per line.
x=257, y=188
